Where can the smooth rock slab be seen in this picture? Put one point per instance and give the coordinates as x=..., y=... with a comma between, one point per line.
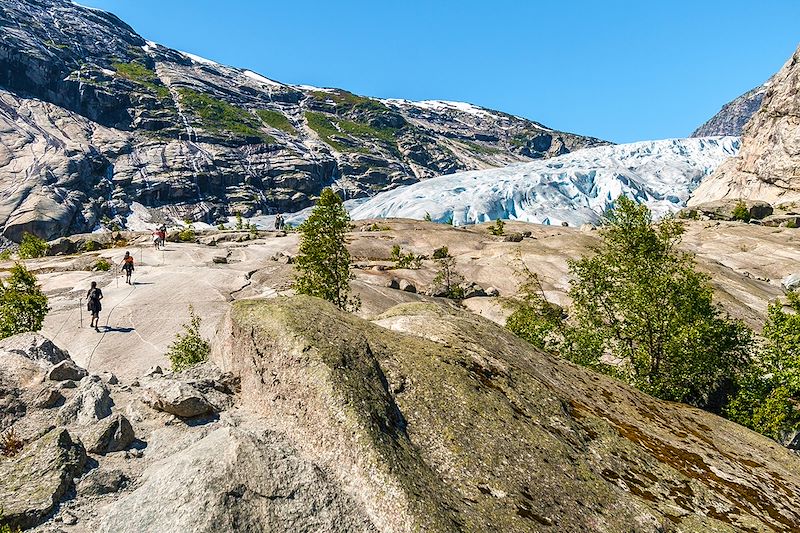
x=32, y=482
x=236, y=480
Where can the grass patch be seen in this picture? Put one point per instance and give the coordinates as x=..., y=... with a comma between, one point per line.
x=351, y=101
x=481, y=149
x=277, y=120
x=138, y=73
x=327, y=127
x=218, y=116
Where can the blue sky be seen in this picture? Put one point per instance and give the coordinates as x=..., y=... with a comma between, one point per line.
x=619, y=70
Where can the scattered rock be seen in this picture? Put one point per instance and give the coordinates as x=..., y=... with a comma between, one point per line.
x=791, y=282
x=586, y=228
x=565, y=224
x=68, y=519
x=492, y=291
x=90, y=403
x=791, y=440
x=407, y=286
x=513, y=237
x=108, y=378
x=177, y=398
x=782, y=221
x=111, y=434
x=66, y=370
x=48, y=397
x=219, y=259
x=153, y=371
x=526, y=234
x=473, y=290
x=283, y=257
x=36, y=479
x=392, y=284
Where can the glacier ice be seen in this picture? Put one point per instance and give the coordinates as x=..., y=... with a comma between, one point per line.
x=574, y=188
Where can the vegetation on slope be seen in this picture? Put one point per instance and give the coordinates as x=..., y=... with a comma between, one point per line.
x=138, y=73
x=277, y=120
x=218, y=116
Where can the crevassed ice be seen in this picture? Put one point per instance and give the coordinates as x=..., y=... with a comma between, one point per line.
x=575, y=188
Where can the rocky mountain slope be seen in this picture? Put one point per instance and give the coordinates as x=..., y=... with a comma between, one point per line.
x=768, y=165
x=92, y=116
x=573, y=188
x=733, y=116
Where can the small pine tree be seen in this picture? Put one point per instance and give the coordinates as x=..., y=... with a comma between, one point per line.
x=497, y=228
x=190, y=348
x=32, y=246
x=428, y=217
x=740, y=212
x=448, y=281
x=323, y=262
x=239, y=222
x=23, y=305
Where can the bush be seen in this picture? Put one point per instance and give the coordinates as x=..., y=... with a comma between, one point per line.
x=497, y=228
x=90, y=246
x=239, y=223
x=323, y=262
x=32, y=246
x=187, y=235
x=409, y=260
x=768, y=400
x=102, y=265
x=5, y=255
x=741, y=212
x=189, y=349
x=441, y=253
x=6, y=528
x=23, y=305
x=638, y=301
x=427, y=217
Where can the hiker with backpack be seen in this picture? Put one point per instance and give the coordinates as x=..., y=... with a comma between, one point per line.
x=93, y=298
x=127, y=266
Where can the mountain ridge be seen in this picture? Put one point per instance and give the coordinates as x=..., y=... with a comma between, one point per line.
x=193, y=139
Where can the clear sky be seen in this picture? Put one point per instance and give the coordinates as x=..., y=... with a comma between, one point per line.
x=619, y=70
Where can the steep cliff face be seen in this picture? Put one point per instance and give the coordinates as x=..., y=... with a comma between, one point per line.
x=93, y=117
x=733, y=116
x=768, y=165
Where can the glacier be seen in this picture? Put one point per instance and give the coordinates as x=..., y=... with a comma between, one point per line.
x=574, y=188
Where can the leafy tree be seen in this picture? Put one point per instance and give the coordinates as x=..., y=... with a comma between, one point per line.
x=189, y=348
x=405, y=260
x=323, y=262
x=740, y=212
x=32, y=246
x=768, y=400
x=23, y=305
x=642, y=313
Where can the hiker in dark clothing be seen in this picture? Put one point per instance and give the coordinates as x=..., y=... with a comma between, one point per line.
x=127, y=266
x=278, y=221
x=93, y=298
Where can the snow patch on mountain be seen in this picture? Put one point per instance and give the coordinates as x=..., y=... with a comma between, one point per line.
x=575, y=188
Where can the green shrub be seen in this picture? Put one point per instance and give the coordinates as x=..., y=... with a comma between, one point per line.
x=102, y=265
x=23, y=305
x=189, y=348
x=497, y=228
x=409, y=260
x=239, y=223
x=768, y=400
x=5, y=527
x=427, y=217
x=741, y=212
x=6, y=254
x=187, y=235
x=323, y=261
x=139, y=73
x=791, y=223
x=32, y=246
x=90, y=246
x=441, y=253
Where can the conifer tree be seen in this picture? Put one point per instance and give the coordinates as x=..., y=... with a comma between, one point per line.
x=323, y=262
x=23, y=305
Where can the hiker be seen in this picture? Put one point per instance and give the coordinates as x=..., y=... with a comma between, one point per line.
x=278, y=221
x=93, y=298
x=127, y=266
x=162, y=235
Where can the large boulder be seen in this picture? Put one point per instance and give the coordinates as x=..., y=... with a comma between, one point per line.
x=66, y=370
x=177, y=398
x=90, y=402
x=440, y=420
x=35, y=347
x=236, y=480
x=111, y=434
x=32, y=482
